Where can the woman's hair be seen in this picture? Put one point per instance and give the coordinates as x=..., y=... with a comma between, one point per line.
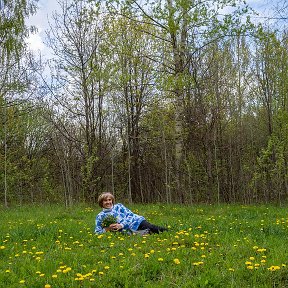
x=104, y=196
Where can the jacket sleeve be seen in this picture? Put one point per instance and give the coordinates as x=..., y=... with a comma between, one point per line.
x=98, y=221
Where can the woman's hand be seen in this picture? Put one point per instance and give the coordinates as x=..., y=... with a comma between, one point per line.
x=115, y=227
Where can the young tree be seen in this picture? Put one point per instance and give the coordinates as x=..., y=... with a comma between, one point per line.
x=77, y=38
x=133, y=91
x=13, y=75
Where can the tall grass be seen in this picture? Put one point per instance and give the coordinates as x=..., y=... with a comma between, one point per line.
x=206, y=246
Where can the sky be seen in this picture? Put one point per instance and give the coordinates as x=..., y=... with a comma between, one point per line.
x=46, y=7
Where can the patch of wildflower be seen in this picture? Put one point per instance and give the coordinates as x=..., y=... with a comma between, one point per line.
x=110, y=219
x=274, y=268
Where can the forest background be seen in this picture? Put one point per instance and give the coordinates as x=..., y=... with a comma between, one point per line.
x=173, y=101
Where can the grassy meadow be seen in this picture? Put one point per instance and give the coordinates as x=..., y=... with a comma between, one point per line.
x=206, y=246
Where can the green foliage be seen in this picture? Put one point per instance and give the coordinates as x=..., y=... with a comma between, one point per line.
x=26, y=168
x=12, y=25
x=271, y=174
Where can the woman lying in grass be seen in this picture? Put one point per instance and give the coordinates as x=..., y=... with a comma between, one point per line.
x=118, y=218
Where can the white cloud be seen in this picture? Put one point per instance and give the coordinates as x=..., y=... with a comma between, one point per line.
x=40, y=21
x=35, y=41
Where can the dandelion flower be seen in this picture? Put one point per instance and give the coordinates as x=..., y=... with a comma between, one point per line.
x=274, y=268
x=231, y=269
x=176, y=261
x=248, y=263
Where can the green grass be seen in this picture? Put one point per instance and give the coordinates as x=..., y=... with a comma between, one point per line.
x=206, y=246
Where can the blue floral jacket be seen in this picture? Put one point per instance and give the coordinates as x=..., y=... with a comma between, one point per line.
x=124, y=216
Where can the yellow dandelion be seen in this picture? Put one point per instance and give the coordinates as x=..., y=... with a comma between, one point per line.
x=22, y=281
x=263, y=261
x=231, y=269
x=101, y=273
x=250, y=267
x=274, y=268
x=47, y=286
x=200, y=263
x=79, y=279
x=106, y=267
x=176, y=261
x=160, y=259
x=248, y=263
x=54, y=276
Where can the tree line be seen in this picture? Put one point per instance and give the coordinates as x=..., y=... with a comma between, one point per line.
x=163, y=101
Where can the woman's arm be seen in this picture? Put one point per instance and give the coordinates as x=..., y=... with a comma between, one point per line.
x=99, y=229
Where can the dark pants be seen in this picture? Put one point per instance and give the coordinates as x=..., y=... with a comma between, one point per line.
x=152, y=228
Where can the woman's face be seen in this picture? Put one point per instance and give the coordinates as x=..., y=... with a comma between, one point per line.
x=107, y=203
